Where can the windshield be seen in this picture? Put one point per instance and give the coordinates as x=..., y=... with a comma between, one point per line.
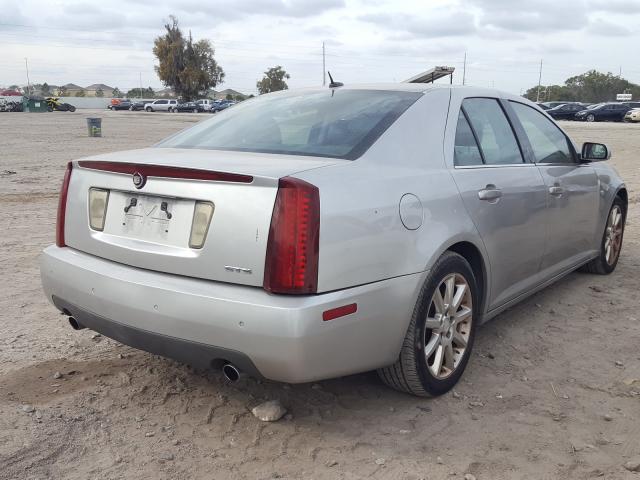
x=328, y=123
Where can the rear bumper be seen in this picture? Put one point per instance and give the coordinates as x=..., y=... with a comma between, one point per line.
x=204, y=323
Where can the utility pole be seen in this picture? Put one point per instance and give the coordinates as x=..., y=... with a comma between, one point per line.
x=26, y=64
x=539, y=83
x=140, y=73
x=620, y=74
x=324, y=67
x=464, y=69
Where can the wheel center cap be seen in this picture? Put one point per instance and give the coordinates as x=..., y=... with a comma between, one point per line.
x=446, y=325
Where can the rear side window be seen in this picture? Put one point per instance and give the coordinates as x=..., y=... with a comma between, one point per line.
x=497, y=141
x=466, y=151
x=548, y=142
x=338, y=123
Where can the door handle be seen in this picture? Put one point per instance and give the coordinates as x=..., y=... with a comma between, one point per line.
x=556, y=191
x=489, y=193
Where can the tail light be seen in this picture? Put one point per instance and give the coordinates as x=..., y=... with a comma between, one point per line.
x=292, y=250
x=62, y=206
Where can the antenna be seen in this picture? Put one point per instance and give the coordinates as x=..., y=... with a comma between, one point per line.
x=333, y=84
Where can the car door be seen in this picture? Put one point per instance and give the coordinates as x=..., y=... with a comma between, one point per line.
x=610, y=112
x=572, y=190
x=504, y=195
x=571, y=110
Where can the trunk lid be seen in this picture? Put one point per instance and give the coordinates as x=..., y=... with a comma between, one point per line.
x=154, y=232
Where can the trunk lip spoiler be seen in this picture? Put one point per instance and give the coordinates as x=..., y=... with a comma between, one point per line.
x=163, y=171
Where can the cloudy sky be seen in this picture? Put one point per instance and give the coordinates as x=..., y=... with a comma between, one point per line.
x=366, y=41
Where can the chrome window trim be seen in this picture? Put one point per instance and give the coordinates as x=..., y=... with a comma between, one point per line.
x=495, y=165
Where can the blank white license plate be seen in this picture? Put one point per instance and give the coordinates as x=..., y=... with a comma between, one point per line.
x=146, y=217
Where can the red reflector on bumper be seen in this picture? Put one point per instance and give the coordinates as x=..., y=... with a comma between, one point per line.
x=339, y=312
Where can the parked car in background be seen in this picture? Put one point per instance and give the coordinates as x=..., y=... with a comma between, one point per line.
x=557, y=103
x=138, y=105
x=632, y=115
x=612, y=112
x=206, y=103
x=121, y=105
x=194, y=107
x=319, y=233
x=633, y=104
x=162, y=105
x=220, y=105
x=565, y=112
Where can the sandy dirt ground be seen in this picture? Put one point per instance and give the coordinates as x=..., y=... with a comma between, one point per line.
x=552, y=390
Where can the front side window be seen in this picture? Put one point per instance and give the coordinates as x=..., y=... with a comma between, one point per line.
x=466, y=151
x=497, y=141
x=337, y=123
x=548, y=142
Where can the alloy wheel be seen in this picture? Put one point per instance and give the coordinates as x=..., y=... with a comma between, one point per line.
x=448, y=325
x=613, y=235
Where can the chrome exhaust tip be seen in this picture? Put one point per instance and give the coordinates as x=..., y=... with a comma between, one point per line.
x=75, y=325
x=231, y=373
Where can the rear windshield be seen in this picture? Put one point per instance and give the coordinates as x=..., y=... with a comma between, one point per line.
x=328, y=123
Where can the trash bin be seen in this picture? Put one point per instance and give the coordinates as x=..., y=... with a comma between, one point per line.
x=95, y=127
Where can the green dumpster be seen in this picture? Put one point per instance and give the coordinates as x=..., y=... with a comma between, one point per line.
x=34, y=104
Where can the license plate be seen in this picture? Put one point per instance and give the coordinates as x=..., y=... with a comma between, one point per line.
x=145, y=215
x=162, y=220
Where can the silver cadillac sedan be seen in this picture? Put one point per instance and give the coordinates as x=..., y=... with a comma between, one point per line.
x=310, y=234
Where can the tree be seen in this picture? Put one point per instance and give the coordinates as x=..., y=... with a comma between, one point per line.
x=45, y=89
x=116, y=93
x=239, y=98
x=228, y=97
x=141, y=93
x=186, y=66
x=62, y=91
x=99, y=92
x=81, y=93
x=273, y=80
x=592, y=86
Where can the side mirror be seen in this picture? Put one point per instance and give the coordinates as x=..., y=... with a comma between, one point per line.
x=595, y=152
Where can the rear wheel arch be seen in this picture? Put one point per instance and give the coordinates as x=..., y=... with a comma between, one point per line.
x=472, y=254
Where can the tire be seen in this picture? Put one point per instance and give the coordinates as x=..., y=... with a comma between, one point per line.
x=606, y=262
x=149, y=109
x=591, y=118
x=413, y=372
x=72, y=108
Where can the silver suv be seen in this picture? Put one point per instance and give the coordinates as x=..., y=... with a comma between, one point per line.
x=161, y=106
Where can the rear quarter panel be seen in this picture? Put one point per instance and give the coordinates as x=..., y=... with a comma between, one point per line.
x=362, y=237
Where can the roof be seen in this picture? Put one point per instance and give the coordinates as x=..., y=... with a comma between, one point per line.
x=97, y=86
x=73, y=86
x=230, y=91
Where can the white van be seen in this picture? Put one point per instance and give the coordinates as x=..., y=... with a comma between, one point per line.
x=206, y=104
